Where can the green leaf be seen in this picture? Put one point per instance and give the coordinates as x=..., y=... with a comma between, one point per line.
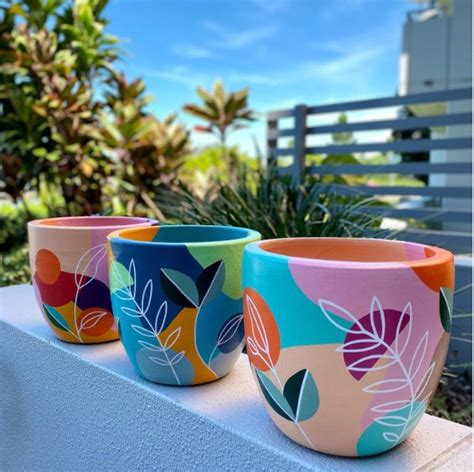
x=302, y=395
x=55, y=318
x=274, y=397
x=119, y=277
x=446, y=307
x=179, y=287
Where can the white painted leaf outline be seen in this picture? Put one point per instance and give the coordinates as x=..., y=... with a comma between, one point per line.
x=350, y=346
x=149, y=346
x=426, y=378
x=391, y=437
x=140, y=311
x=143, y=331
x=172, y=338
x=376, y=307
x=386, y=386
x=257, y=323
x=355, y=367
x=159, y=361
x=132, y=312
x=95, y=256
x=147, y=295
x=407, y=311
x=177, y=358
x=257, y=327
x=229, y=329
x=326, y=305
x=91, y=319
x=417, y=358
x=162, y=314
x=388, y=407
x=392, y=421
x=395, y=384
x=253, y=348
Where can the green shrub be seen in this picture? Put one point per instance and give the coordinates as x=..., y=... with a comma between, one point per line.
x=274, y=206
x=15, y=267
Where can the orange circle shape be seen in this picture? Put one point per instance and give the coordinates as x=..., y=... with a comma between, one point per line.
x=48, y=267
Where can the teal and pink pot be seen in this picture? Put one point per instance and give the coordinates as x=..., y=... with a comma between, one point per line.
x=347, y=338
x=177, y=296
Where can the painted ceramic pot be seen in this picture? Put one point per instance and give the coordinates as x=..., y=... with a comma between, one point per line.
x=177, y=292
x=347, y=338
x=70, y=274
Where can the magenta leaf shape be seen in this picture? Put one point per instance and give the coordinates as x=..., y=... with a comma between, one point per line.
x=361, y=351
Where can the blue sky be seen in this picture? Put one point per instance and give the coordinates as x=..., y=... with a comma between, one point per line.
x=287, y=52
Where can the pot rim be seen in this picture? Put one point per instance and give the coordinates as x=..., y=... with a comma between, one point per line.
x=438, y=255
x=129, y=222
x=248, y=236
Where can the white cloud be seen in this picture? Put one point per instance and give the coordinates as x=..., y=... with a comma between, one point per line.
x=253, y=78
x=348, y=62
x=227, y=39
x=191, y=51
x=178, y=74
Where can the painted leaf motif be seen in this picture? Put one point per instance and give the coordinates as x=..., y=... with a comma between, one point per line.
x=179, y=288
x=338, y=316
x=446, y=307
x=159, y=361
x=302, y=395
x=132, y=312
x=274, y=397
x=425, y=380
x=388, y=407
x=147, y=295
x=362, y=350
x=210, y=282
x=391, y=437
x=261, y=331
x=143, y=331
x=56, y=318
x=177, y=358
x=418, y=356
x=160, y=319
x=404, y=320
x=89, y=262
x=393, y=421
x=386, y=386
x=120, y=279
x=149, y=346
x=231, y=334
x=172, y=338
x=91, y=319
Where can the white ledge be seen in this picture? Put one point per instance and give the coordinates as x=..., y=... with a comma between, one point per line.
x=70, y=407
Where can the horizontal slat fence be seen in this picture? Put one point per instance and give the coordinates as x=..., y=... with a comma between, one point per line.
x=433, y=215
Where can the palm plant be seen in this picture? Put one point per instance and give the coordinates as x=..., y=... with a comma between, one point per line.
x=223, y=112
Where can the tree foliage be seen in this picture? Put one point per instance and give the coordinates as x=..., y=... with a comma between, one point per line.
x=56, y=125
x=223, y=112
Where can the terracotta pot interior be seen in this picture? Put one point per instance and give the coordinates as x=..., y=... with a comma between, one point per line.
x=353, y=250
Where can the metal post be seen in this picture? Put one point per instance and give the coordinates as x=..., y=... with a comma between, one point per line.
x=298, y=165
x=272, y=126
